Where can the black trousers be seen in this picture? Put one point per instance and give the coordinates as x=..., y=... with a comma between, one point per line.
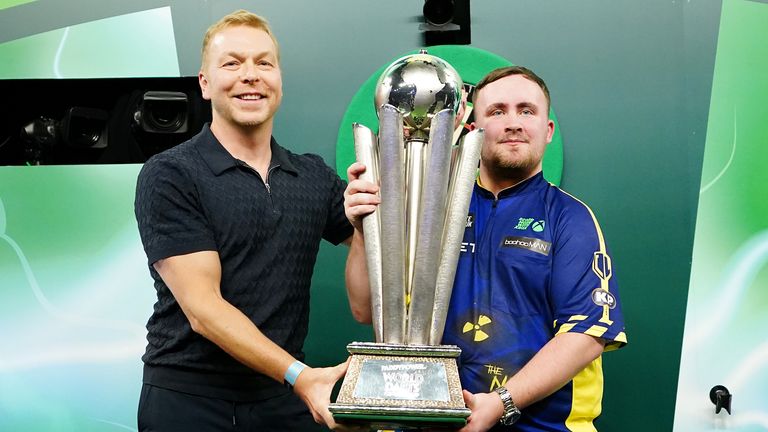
x=163, y=410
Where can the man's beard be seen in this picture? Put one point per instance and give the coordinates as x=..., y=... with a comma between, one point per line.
x=504, y=165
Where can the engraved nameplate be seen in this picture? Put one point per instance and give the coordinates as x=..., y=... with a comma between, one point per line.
x=402, y=380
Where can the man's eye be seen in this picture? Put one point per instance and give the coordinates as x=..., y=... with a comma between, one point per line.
x=265, y=63
x=497, y=112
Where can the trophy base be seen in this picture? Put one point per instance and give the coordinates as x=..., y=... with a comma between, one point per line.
x=387, y=418
x=405, y=387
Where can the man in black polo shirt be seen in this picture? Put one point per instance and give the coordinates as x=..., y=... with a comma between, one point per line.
x=231, y=224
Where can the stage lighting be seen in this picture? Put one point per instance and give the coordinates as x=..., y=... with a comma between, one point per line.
x=163, y=112
x=446, y=22
x=438, y=15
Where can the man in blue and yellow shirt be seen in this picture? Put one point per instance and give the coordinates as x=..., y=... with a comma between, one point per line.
x=535, y=301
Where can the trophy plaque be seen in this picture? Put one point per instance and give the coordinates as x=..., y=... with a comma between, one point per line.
x=406, y=379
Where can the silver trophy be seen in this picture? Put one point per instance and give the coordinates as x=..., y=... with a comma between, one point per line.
x=412, y=242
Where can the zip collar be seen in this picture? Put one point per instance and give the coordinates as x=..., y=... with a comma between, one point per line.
x=529, y=184
x=219, y=159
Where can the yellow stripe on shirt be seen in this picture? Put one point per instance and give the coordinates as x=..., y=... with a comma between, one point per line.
x=587, y=397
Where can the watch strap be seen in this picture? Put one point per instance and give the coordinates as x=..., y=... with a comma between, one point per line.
x=511, y=412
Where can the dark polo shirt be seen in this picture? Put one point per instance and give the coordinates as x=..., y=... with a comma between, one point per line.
x=198, y=197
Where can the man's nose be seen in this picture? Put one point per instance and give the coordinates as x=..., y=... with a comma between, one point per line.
x=513, y=123
x=250, y=72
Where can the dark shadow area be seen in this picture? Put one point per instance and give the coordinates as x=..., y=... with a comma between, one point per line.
x=96, y=121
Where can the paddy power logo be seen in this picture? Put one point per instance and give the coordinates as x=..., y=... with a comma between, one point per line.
x=472, y=64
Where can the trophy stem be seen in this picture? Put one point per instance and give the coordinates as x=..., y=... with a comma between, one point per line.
x=415, y=164
x=392, y=208
x=367, y=153
x=430, y=228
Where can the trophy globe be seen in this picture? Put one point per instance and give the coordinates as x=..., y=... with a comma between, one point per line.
x=419, y=86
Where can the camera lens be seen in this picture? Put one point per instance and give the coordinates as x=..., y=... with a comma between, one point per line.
x=166, y=115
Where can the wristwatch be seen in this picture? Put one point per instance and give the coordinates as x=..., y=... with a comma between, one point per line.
x=511, y=412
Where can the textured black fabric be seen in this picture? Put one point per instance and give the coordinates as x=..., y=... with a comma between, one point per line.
x=162, y=410
x=197, y=197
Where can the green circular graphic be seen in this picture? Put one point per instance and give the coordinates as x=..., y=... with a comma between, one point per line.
x=472, y=64
x=538, y=226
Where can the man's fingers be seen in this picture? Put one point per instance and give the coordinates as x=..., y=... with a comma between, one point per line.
x=361, y=199
x=360, y=204
x=328, y=419
x=354, y=171
x=333, y=374
x=318, y=418
x=360, y=211
x=357, y=186
x=469, y=398
x=340, y=369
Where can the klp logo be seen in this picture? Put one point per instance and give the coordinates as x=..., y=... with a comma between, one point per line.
x=602, y=297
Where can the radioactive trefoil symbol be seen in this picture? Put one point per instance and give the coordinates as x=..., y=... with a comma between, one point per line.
x=479, y=334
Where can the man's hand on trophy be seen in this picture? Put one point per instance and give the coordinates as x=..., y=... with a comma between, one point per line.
x=360, y=197
x=314, y=387
x=486, y=408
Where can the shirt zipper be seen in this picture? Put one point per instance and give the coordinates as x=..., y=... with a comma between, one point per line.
x=266, y=182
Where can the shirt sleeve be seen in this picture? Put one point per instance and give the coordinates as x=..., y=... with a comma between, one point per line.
x=583, y=286
x=170, y=218
x=337, y=227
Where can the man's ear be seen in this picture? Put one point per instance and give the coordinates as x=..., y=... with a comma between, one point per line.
x=471, y=126
x=550, y=130
x=203, y=81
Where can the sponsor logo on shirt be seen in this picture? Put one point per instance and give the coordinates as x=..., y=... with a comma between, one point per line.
x=601, y=266
x=525, y=223
x=467, y=247
x=602, y=297
x=470, y=220
x=532, y=244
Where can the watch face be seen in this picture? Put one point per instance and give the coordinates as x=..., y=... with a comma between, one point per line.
x=511, y=412
x=511, y=417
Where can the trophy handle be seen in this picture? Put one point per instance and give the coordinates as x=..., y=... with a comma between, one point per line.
x=367, y=153
x=459, y=196
x=392, y=209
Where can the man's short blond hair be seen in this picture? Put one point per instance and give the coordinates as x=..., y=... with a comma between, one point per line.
x=502, y=72
x=237, y=18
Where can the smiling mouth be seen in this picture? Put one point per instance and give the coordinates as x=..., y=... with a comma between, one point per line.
x=250, y=97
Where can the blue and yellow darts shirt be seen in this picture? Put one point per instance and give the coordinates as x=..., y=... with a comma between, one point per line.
x=533, y=264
